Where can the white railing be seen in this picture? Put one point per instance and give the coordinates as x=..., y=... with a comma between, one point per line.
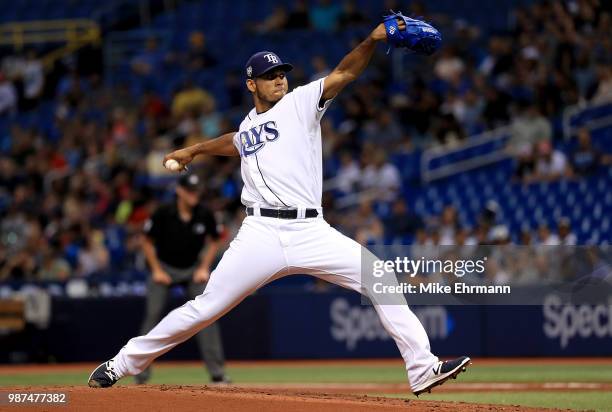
x=591, y=124
x=428, y=175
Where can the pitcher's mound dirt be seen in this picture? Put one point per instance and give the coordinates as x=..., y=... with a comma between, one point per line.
x=233, y=399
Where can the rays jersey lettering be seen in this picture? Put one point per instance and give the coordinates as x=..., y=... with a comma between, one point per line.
x=254, y=139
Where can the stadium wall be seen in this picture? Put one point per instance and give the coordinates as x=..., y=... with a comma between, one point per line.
x=325, y=325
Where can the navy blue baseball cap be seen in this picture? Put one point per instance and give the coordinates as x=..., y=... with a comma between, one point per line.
x=264, y=61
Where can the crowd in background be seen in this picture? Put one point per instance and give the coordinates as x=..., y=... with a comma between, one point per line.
x=75, y=192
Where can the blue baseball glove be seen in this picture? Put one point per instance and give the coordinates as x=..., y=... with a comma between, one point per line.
x=419, y=37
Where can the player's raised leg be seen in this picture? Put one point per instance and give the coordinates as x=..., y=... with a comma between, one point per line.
x=253, y=259
x=322, y=251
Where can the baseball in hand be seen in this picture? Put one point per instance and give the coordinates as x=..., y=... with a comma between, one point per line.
x=173, y=165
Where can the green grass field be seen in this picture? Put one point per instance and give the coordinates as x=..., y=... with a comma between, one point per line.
x=383, y=373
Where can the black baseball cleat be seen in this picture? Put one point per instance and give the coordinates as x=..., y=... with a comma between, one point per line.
x=104, y=376
x=442, y=372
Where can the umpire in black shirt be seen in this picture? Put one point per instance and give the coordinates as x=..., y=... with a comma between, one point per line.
x=174, y=238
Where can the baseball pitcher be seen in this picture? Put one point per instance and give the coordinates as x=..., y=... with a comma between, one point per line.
x=284, y=233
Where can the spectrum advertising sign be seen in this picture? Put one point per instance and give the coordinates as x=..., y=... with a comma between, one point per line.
x=338, y=325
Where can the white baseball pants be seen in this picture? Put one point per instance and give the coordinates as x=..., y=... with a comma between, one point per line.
x=266, y=249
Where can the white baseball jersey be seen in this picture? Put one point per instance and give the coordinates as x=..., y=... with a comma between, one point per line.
x=281, y=151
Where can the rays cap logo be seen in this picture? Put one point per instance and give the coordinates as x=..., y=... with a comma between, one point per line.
x=262, y=62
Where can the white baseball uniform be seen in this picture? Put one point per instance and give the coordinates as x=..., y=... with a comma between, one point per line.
x=281, y=168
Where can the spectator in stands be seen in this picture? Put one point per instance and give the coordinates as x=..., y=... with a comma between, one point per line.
x=8, y=96
x=13, y=229
x=433, y=232
x=525, y=237
x=527, y=130
x=210, y=120
x=448, y=225
x=423, y=246
x=487, y=221
x=52, y=265
x=449, y=66
x=71, y=81
x=383, y=129
x=363, y=224
x=188, y=124
x=349, y=175
x=402, y=221
x=550, y=164
x=122, y=126
x=19, y=266
x=499, y=61
x=500, y=235
x=465, y=236
x=461, y=236
x=153, y=108
x=545, y=237
x=498, y=262
x=467, y=110
x=299, y=17
x=586, y=159
x=33, y=80
x=566, y=236
x=72, y=90
x=8, y=177
x=149, y=61
x=198, y=56
x=93, y=257
x=380, y=176
x=584, y=73
x=189, y=99
x=325, y=15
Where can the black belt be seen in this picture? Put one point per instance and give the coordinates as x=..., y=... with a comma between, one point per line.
x=282, y=213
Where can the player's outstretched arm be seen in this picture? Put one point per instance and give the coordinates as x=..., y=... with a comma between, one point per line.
x=354, y=63
x=221, y=146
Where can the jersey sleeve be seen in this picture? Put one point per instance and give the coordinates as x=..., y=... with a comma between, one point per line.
x=307, y=101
